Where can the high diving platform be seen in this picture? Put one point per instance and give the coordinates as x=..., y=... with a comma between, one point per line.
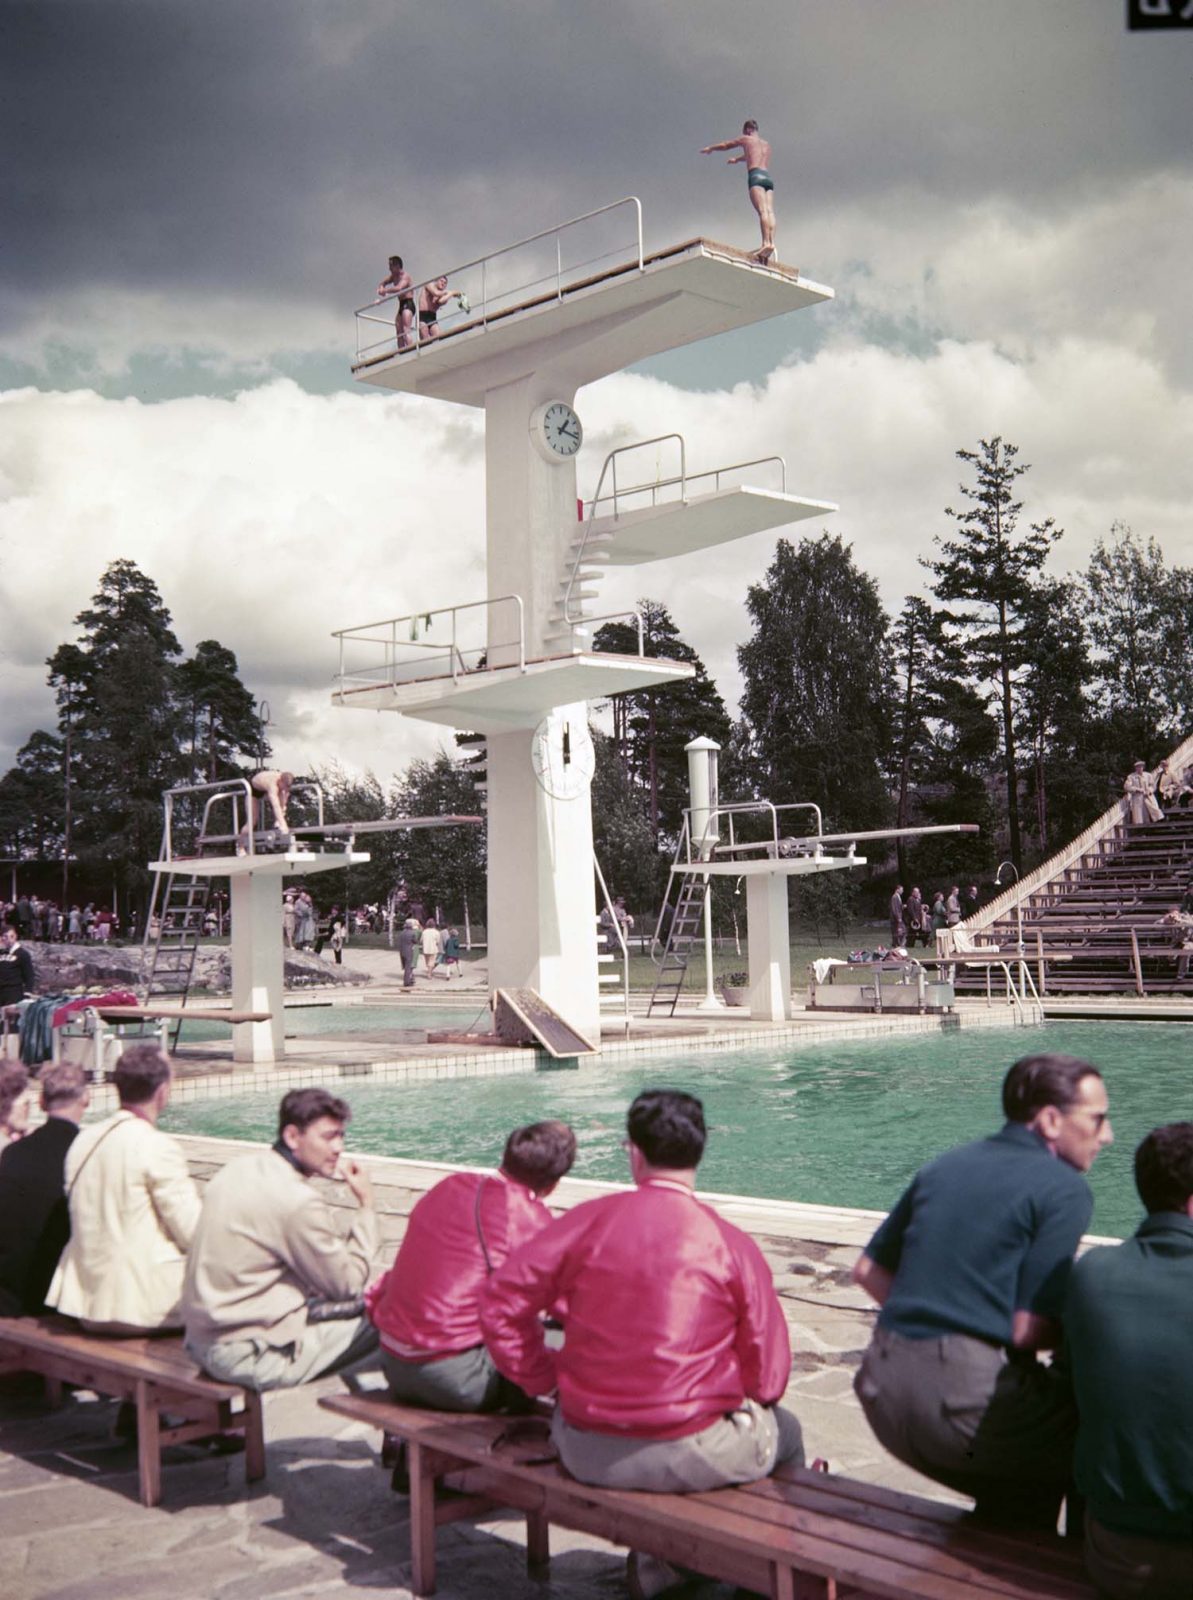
x=524, y=328
x=530, y=310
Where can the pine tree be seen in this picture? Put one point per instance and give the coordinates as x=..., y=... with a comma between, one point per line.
x=652, y=726
x=817, y=698
x=987, y=569
x=223, y=717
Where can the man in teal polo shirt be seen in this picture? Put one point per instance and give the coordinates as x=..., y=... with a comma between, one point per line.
x=971, y=1269
x=1129, y=1328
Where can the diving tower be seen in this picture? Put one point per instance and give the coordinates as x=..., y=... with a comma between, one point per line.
x=539, y=320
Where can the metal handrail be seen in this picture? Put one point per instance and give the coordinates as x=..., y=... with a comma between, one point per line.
x=225, y=789
x=387, y=671
x=684, y=479
x=625, y=949
x=363, y=312
x=744, y=807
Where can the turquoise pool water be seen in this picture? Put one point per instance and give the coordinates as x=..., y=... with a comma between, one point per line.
x=845, y=1123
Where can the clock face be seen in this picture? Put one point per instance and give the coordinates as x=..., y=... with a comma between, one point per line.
x=562, y=755
x=555, y=429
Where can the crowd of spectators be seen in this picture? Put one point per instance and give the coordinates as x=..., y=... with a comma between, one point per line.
x=914, y=920
x=41, y=921
x=653, y=1323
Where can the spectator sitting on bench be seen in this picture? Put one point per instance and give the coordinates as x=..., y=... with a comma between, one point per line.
x=133, y=1210
x=14, y=1103
x=274, y=1285
x=1129, y=1330
x=676, y=1348
x=34, y=1221
x=970, y=1269
x=427, y=1307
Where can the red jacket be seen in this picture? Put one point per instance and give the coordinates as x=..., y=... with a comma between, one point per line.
x=672, y=1317
x=427, y=1304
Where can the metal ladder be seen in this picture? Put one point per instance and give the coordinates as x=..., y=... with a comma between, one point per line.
x=181, y=917
x=686, y=926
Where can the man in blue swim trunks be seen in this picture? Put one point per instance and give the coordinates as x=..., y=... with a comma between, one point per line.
x=755, y=152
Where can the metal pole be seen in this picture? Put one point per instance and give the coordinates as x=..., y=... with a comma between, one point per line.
x=702, y=784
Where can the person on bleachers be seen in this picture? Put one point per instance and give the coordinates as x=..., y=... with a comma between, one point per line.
x=34, y=1221
x=133, y=1210
x=676, y=1349
x=1129, y=1330
x=1140, y=789
x=427, y=1307
x=970, y=1269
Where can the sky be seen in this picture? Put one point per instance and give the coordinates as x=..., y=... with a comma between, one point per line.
x=197, y=195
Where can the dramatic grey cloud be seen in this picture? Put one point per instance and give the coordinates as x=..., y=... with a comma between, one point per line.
x=198, y=195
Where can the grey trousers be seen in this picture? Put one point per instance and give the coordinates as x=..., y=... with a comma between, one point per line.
x=467, y=1381
x=741, y=1447
x=965, y=1415
x=325, y=1347
x=1131, y=1567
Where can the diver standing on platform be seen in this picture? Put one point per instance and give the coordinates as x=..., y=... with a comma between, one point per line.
x=755, y=152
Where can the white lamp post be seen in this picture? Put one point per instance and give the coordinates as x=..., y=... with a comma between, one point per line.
x=704, y=832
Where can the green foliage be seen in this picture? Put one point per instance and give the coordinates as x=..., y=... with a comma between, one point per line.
x=32, y=809
x=827, y=902
x=652, y=726
x=223, y=716
x=622, y=837
x=445, y=866
x=986, y=571
x=817, y=702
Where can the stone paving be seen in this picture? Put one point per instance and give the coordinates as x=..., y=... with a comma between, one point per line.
x=324, y=1520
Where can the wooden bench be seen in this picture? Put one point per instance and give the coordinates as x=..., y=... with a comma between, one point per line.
x=156, y=1374
x=798, y=1535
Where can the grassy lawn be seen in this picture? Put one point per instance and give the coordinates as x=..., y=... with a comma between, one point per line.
x=804, y=948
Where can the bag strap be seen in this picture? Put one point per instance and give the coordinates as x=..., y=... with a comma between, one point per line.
x=111, y=1128
x=480, y=1232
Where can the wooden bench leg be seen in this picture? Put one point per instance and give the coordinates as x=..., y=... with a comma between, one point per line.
x=149, y=1450
x=422, y=1518
x=538, y=1544
x=786, y=1584
x=254, y=1437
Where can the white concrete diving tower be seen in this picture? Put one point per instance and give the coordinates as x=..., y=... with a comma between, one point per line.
x=537, y=321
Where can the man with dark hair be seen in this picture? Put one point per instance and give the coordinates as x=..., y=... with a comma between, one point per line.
x=34, y=1221
x=755, y=152
x=398, y=281
x=427, y=1307
x=1129, y=1331
x=16, y=967
x=676, y=1348
x=970, y=1269
x=133, y=1209
x=269, y=1255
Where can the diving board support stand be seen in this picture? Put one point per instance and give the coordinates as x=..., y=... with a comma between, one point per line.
x=258, y=966
x=769, y=936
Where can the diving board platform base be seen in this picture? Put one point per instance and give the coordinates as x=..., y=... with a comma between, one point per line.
x=522, y=1016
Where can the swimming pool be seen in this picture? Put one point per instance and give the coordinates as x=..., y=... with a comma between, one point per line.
x=844, y=1123
x=372, y=1022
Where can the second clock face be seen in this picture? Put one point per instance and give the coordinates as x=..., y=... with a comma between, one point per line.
x=557, y=426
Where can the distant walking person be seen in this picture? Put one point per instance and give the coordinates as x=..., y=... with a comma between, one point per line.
x=432, y=944
x=755, y=152
x=1140, y=788
x=407, y=946
x=898, y=919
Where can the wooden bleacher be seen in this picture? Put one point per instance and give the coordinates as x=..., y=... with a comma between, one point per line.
x=1104, y=915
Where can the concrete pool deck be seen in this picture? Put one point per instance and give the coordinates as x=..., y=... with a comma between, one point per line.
x=324, y=1520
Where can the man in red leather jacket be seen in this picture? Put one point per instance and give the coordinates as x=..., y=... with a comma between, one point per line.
x=675, y=1347
x=426, y=1308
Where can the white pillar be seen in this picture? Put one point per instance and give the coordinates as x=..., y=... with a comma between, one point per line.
x=770, y=947
x=704, y=832
x=542, y=891
x=258, y=974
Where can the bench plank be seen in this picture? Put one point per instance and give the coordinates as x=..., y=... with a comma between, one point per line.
x=799, y=1534
x=156, y=1374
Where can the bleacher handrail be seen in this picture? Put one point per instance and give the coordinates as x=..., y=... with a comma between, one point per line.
x=1092, y=840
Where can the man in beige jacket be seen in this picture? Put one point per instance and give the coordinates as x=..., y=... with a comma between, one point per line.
x=268, y=1243
x=133, y=1210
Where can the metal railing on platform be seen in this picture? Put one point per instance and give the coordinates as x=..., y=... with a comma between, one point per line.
x=529, y=273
